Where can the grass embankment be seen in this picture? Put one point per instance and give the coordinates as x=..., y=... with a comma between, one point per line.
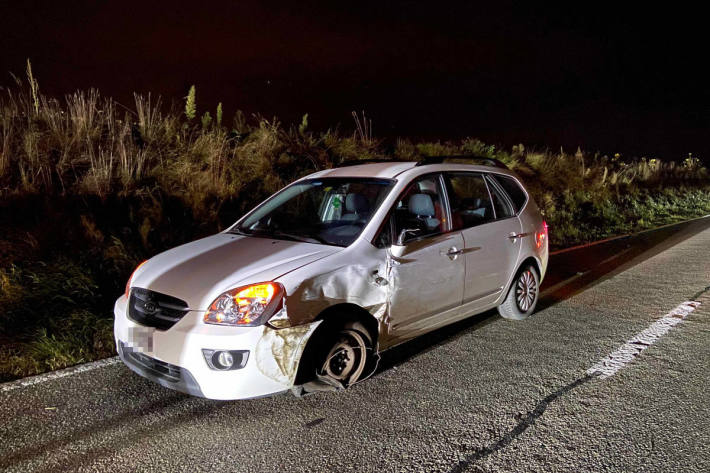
x=89, y=188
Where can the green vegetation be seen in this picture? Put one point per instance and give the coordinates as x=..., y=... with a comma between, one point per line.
x=88, y=188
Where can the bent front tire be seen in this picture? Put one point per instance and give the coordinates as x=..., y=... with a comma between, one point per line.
x=522, y=296
x=338, y=356
x=348, y=354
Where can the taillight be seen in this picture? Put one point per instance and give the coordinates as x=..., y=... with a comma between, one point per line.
x=541, y=236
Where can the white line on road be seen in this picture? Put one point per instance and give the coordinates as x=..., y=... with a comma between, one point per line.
x=41, y=378
x=613, y=362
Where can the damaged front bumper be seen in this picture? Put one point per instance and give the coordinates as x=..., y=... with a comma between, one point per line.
x=174, y=358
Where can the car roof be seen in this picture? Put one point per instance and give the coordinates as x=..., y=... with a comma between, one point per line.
x=392, y=169
x=383, y=169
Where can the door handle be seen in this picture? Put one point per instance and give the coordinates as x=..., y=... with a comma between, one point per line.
x=452, y=253
x=514, y=236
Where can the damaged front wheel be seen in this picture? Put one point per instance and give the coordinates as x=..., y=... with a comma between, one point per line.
x=347, y=357
x=338, y=357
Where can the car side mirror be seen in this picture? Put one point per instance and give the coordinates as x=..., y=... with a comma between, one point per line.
x=402, y=237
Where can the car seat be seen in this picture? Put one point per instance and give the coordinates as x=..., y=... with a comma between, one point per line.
x=421, y=206
x=356, y=207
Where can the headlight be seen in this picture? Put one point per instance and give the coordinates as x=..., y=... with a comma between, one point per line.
x=128, y=283
x=246, y=306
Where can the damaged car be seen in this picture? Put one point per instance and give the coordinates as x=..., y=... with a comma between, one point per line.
x=305, y=291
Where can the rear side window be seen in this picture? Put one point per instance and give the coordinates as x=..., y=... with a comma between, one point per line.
x=500, y=202
x=469, y=199
x=512, y=188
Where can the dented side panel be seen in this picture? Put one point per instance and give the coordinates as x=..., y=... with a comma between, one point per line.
x=426, y=283
x=357, y=275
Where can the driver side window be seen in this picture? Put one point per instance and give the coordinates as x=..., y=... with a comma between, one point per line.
x=420, y=210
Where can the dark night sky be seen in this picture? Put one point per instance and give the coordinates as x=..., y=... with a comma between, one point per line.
x=613, y=80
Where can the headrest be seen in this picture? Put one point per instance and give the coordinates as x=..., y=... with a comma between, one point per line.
x=421, y=205
x=427, y=185
x=471, y=203
x=356, y=203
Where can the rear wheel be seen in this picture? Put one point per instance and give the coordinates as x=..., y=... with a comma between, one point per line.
x=522, y=296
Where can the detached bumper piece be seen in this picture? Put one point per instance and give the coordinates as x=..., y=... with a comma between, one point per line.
x=165, y=374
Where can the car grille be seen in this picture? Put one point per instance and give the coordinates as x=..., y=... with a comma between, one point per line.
x=154, y=309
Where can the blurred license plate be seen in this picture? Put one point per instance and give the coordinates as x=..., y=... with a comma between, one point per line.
x=140, y=339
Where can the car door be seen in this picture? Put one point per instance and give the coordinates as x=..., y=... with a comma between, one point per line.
x=426, y=269
x=491, y=232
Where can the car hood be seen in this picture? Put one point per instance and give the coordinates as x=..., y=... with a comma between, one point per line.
x=199, y=271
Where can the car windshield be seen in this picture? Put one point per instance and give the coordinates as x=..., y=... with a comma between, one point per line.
x=332, y=211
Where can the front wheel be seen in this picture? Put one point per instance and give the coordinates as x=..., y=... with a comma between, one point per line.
x=338, y=356
x=522, y=296
x=346, y=359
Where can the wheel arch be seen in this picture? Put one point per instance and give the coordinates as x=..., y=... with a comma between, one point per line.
x=529, y=261
x=349, y=312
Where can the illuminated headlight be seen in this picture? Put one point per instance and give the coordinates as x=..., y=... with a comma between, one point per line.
x=246, y=306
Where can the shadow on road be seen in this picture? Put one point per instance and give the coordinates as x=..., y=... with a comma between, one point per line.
x=130, y=424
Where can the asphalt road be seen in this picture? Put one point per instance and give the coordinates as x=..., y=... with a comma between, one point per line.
x=486, y=394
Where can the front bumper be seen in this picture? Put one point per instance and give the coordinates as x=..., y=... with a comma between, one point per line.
x=163, y=373
x=174, y=359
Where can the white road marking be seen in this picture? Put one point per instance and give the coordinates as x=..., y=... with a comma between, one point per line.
x=41, y=378
x=613, y=362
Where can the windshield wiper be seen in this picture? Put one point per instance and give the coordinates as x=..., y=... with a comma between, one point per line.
x=279, y=234
x=239, y=231
x=302, y=238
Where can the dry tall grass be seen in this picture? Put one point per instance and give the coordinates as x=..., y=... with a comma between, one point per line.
x=87, y=144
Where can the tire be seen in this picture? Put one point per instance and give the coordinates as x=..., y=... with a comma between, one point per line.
x=340, y=355
x=522, y=296
x=349, y=352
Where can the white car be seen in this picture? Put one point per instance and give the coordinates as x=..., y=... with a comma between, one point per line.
x=306, y=290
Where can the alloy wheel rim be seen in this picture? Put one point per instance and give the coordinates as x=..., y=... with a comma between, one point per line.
x=525, y=291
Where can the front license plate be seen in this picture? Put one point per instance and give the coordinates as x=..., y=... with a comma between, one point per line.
x=140, y=339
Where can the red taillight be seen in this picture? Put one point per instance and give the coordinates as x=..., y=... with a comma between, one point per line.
x=128, y=283
x=541, y=236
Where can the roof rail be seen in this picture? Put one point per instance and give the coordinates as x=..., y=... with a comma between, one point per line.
x=357, y=162
x=480, y=160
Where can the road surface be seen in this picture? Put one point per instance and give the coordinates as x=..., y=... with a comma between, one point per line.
x=483, y=395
